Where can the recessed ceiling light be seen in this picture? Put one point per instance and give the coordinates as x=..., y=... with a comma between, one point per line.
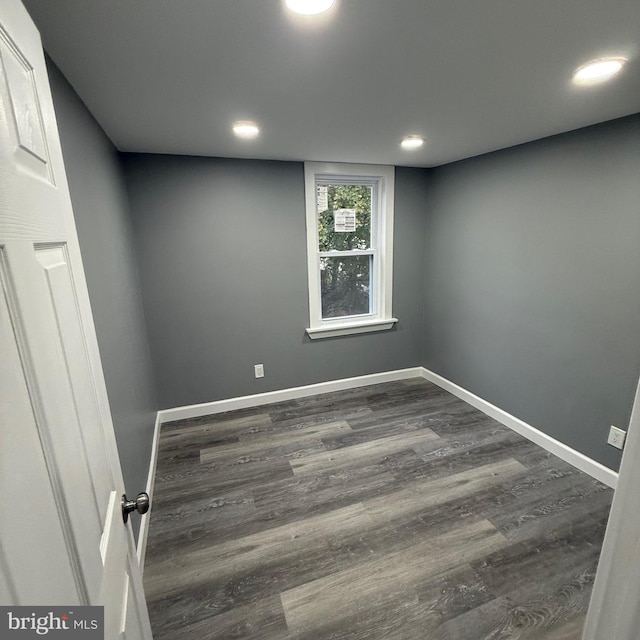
x=310, y=7
x=412, y=142
x=598, y=70
x=245, y=129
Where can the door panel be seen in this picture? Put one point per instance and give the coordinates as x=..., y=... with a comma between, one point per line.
x=30, y=497
x=55, y=265
x=44, y=358
x=31, y=152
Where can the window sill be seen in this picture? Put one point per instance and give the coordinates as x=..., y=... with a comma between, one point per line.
x=366, y=326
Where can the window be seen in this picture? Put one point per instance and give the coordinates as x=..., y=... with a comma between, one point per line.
x=349, y=247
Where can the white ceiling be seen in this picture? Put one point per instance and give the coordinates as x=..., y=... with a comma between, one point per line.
x=170, y=76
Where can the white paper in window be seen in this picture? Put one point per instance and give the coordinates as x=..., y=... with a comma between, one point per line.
x=344, y=220
x=322, y=199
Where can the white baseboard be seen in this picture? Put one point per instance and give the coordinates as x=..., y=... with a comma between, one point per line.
x=258, y=399
x=566, y=453
x=151, y=477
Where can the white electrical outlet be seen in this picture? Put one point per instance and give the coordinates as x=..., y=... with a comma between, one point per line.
x=616, y=437
x=259, y=369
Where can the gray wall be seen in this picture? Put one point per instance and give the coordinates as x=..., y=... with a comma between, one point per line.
x=222, y=252
x=532, y=281
x=101, y=211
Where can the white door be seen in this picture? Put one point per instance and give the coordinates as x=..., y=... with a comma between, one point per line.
x=62, y=537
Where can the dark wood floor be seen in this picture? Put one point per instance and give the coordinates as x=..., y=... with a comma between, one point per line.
x=394, y=512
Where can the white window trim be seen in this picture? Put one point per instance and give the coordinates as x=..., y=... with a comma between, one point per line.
x=381, y=318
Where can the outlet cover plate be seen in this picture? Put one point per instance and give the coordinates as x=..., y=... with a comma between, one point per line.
x=616, y=437
x=259, y=370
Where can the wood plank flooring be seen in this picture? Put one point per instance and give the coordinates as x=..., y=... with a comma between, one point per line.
x=394, y=511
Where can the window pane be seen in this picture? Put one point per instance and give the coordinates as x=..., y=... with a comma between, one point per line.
x=336, y=205
x=344, y=285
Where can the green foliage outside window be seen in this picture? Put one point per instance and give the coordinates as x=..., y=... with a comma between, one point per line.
x=345, y=281
x=346, y=196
